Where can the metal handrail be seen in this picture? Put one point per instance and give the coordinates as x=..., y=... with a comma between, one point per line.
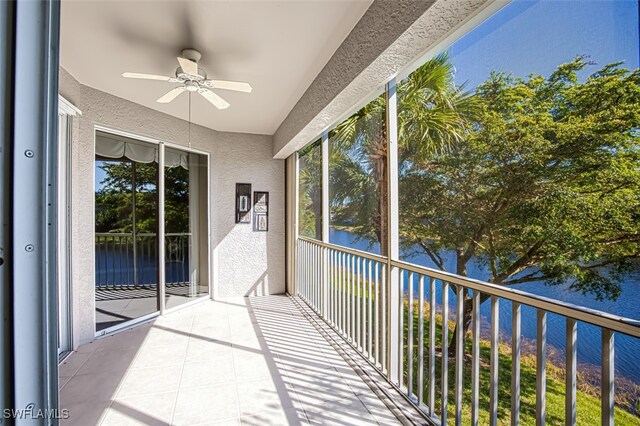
x=355, y=252
x=146, y=234
x=592, y=316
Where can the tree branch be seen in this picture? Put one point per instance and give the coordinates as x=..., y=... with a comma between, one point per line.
x=435, y=257
x=527, y=279
x=519, y=265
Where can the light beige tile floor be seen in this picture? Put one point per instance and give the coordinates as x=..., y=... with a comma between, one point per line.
x=250, y=361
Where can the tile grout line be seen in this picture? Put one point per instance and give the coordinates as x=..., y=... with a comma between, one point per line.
x=233, y=365
x=184, y=360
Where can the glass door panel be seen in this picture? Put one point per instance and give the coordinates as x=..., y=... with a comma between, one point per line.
x=186, y=224
x=126, y=226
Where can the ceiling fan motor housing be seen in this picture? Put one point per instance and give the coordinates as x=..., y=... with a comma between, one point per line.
x=202, y=75
x=191, y=86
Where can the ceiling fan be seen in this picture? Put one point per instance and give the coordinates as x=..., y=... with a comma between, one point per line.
x=193, y=79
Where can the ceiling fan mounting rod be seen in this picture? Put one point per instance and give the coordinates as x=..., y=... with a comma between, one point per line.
x=191, y=54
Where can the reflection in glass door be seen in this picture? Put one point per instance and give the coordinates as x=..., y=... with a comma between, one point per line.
x=186, y=224
x=126, y=228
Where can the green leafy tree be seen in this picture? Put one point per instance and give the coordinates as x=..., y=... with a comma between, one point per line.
x=114, y=200
x=545, y=188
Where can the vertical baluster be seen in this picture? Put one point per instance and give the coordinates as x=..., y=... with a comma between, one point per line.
x=607, y=379
x=376, y=325
x=410, y=338
x=303, y=268
x=319, y=277
x=420, y=340
x=516, y=339
x=340, y=291
x=345, y=295
x=332, y=286
x=445, y=351
x=401, y=331
x=383, y=320
x=361, y=281
x=358, y=330
x=329, y=282
x=475, y=361
x=297, y=269
x=106, y=262
x=541, y=369
x=120, y=260
x=125, y=251
x=570, y=372
x=363, y=331
x=370, y=314
x=109, y=262
x=306, y=272
x=318, y=273
x=348, y=295
x=493, y=366
x=310, y=271
x=432, y=346
x=352, y=289
x=98, y=254
x=345, y=300
x=336, y=272
x=320, y=280
x=460, y=294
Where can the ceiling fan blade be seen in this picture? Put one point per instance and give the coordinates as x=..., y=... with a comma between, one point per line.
x=229, y=85
x=146, y=76
x=171, y=95
x=216, y=100
x=188, y=66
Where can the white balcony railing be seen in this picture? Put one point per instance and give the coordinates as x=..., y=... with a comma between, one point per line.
x=367, y=299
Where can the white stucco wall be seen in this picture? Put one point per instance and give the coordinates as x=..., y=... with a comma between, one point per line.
x=244, y=262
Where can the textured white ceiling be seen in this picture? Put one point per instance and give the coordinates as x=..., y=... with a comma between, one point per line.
x=278, y=47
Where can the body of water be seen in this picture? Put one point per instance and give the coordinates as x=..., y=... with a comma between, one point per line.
x=589, y=336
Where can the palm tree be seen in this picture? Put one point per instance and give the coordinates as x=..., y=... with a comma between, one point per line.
x=310, y=191
x=434, y=114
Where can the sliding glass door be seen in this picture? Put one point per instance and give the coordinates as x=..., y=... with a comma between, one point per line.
x=138, y=251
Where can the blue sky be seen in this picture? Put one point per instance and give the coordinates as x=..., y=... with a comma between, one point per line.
x=528, y=37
